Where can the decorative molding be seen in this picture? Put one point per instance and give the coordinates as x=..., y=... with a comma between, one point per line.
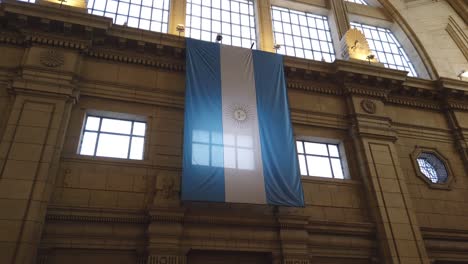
x=323, y=88
x=52, y=58
x=154, y=62
x=368, y=106
x=98, y=219
x=296, y=261
x=413, y=102
x=166, y=259
x=458, y=35
x=461, y=7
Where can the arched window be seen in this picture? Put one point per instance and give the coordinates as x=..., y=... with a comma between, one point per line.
x=386, y=47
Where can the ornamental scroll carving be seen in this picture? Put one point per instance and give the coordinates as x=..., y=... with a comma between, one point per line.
x=368, y=106
x=52, y=58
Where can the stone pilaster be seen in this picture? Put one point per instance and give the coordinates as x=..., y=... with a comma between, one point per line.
x=340, y=16
x=293, y=237
x=457, y=115
x=398, y=233
x=266, y=40
x=31, y=146
x=164, y=236
x=177, y=15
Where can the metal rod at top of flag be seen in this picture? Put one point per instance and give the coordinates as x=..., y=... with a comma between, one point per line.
x=61, y=2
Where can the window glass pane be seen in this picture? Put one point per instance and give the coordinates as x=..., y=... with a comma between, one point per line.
x=136, y=150
x=316, y=148
x=88, y=143
x=300, y=148
x=116, y=126
x=302, y=165
x=302, y=30
x=233, y=19
x=386, y=47
x=114, y=146
x=333, y=149
x=319, y=166
x=92, y=123
x=337, y=169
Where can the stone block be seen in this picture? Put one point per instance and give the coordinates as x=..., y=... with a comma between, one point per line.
x=26, y=152
x=19, y=169
x=15, y=189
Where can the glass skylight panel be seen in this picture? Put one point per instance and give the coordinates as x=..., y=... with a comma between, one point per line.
x=386, y=47
x=144, y=14
x=362, y=2
x=302, y=34
x=234, y=19
x=115, y=138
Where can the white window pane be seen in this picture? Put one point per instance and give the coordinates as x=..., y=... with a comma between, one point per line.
x=300, y=148
x=319, y=166
x=302, y=164
x=114, y=146
x=92, y=123
x=337, y=169
x=88, y=143
x=316, y=148
x=116, y=126
x=333, y=149
x=136, y=150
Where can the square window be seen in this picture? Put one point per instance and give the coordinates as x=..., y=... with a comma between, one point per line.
x=320, y=159
x=114, y=138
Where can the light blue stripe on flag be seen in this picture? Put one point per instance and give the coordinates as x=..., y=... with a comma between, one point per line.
x=280, y=166
x=203, y=169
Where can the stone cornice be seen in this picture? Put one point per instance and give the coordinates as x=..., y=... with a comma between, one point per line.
x=97, y=37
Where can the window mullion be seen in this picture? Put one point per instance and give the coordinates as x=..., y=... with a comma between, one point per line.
x=97, y=137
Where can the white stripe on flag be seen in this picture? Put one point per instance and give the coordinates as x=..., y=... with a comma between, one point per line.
x=243, y=168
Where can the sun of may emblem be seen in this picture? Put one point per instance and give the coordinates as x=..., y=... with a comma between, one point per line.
x=239, y=114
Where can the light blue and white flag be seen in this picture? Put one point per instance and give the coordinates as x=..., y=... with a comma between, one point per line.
x=238, y=139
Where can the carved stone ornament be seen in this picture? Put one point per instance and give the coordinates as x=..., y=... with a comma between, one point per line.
x=354, y=46
x=52, y=58
x=368, y=106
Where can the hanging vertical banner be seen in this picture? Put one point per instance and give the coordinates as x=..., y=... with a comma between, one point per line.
x=238, y=139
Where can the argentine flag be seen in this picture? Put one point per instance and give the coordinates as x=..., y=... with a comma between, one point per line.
x=238, y=140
